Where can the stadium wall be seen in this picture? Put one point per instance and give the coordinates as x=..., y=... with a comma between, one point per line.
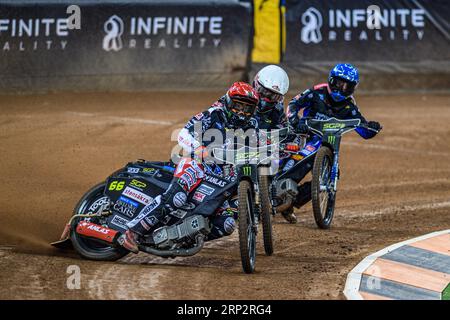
x=208, y=44
x=123, y=45
x=398, y=45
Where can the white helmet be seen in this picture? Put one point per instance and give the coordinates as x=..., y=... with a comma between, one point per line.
x=272, y=83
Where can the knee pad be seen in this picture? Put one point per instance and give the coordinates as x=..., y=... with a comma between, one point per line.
x=222, y=226
x=229, y=225
x=175, y=197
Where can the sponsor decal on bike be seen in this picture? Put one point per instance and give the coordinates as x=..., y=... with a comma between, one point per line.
x=206, y=189
x=179, y=199
x=150, y=170
x=289, y=165
x=331, y=139
x=97, y=203
x=96, y=231
x=138, y=184
x=128, y=201
x=125, y=206
x=215, y=181
x=120, y=222
x=96, y=228
x=333, y=126
x=133, y=170
x=149, y=208
x=137, y=195
x=198, y=196
x=310, y=148
x=116, y=185
x=247, y=170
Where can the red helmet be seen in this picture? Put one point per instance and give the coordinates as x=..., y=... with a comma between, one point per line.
x=241, y=102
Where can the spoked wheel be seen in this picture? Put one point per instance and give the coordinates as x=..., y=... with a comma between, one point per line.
x=247, y=232
x=266, y=216
x=323, y=195
x=90, y=248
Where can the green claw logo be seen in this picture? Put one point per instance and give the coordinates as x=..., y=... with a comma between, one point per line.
x=247, y=171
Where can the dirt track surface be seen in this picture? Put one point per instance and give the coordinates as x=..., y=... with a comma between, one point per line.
x=55, y=147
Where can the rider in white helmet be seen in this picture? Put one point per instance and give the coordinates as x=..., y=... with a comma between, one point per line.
x=272, y=83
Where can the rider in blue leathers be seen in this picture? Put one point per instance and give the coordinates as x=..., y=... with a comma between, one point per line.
x=331, y=99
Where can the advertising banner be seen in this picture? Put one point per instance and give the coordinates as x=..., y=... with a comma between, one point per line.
x=379, y=36
x=123, y=45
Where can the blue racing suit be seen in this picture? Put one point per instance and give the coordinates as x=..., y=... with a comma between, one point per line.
x=316, y=103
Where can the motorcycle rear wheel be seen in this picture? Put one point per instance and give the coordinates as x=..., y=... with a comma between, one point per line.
x=247, y=233
x=89, y=248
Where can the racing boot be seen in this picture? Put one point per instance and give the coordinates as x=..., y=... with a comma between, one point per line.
x=289, y=215
x=303, y=195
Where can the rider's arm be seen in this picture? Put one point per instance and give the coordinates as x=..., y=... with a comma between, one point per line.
x=190, y=137
x=281, y=120
x=363, y=132
x=186, y=137
x=299, y=102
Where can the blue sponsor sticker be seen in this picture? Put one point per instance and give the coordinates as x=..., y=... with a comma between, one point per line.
x=206, y=189
x=129, y=201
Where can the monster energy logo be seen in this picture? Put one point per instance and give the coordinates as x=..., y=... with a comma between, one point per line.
x=331, y=139
x=247, y=171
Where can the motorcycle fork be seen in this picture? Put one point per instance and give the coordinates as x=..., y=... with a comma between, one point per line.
x=335, y=167
x=256, y=207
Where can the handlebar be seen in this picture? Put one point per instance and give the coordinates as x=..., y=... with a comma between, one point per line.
x=337, y=124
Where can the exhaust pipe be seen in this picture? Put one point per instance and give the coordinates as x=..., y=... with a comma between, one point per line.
x=92, y=230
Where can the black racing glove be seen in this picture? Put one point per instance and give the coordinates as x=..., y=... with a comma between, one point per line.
x=302, y=128
x=374, y=125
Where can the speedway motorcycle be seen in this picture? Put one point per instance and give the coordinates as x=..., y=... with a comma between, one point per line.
x=252, y=166
x=103, y=212
x=325, y=170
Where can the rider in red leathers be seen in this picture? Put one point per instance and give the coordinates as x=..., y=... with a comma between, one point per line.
x=235, y=110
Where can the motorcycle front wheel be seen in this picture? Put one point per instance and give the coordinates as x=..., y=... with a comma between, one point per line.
x=322, y=193
x=266, y=216
x=247, y=232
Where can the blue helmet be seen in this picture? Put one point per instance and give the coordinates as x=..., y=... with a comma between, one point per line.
x=342, y=81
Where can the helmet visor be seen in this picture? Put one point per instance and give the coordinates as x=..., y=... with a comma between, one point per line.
x=268, y=95
x=343, y=86
x=242, y=108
